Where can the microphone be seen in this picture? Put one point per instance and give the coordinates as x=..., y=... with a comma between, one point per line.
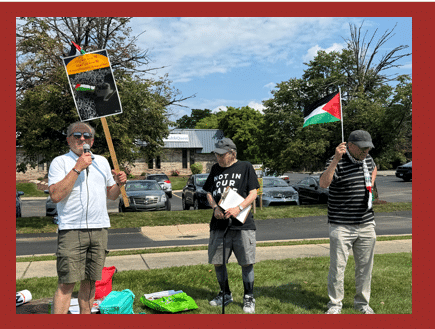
x=87, y=149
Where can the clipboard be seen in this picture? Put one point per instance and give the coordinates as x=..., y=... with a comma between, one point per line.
x=231, y=199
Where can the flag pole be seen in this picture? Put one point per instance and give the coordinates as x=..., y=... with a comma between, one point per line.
x=341, y=113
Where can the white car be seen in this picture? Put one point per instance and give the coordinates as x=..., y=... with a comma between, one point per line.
x=285, y=178
x=50, y=206
x=163, y=181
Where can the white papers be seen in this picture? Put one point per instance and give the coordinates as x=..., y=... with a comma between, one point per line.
x=160, y=294
x=231, y=199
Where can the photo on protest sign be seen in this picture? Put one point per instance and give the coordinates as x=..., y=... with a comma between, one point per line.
x=93, y=85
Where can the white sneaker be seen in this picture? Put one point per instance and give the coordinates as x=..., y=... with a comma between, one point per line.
x=248, y=304
x=334, y=310
x=217, y=301
x=366, y=310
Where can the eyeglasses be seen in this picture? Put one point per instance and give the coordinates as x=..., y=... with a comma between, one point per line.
x=221, y=155
x=79, y=135
x=365, y=149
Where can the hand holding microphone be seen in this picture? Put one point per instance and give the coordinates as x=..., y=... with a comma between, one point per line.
x=87, y=153
x=85, y=160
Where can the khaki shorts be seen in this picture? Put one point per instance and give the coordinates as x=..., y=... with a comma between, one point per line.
x=241, y=242
x=81, y=254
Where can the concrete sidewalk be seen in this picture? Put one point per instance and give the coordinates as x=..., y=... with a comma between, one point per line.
x=26, y=270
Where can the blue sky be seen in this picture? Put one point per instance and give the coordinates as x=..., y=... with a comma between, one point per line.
x=237, y=61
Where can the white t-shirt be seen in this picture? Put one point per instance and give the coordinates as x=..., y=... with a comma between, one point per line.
x=80, y=209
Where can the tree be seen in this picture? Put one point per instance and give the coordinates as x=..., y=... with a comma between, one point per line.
x=368, y=103
x=211, y=121
x=189, y=122
x=284, y=144
x=45, y=105
x=242, y=125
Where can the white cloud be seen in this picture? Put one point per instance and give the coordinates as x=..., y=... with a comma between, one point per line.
x=254, y=105
x=257, y=106
x=407, y=66
x=312, y=52
x=219, y=109
x=200, y=46
x=270, y=85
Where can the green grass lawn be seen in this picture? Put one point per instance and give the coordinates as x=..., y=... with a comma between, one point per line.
x=290, y=286
x=178, y=182
x=30, y=190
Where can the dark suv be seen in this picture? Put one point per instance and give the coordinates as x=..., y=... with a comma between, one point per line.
x=405, y=171
x=163, y=181
x=193, y=194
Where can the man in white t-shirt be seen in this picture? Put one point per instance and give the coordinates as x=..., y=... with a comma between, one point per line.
x=80, y=182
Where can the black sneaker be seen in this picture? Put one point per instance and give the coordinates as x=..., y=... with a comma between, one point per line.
x=217, y=301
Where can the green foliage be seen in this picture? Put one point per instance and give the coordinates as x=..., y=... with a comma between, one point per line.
x=242, y=125
x=368, y=103
x=190, y=121
x=45, y=106
x=211, y=121
x=196, y=168
x=175, y=173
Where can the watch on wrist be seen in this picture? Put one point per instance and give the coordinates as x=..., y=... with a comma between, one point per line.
x=240, y=207
x=78, y=172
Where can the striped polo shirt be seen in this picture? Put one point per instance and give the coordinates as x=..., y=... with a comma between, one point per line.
x=348, y=196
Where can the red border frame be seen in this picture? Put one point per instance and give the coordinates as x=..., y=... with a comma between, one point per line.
x=422, y=14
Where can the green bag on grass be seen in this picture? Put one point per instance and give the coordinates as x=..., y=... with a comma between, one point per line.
x=173, y=304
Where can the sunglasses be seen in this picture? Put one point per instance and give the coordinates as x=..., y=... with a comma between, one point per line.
x=79, y=135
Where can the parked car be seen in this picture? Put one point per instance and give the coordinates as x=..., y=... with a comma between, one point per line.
x=193, y=195
x=276, y=191
x=144, y=195
x=405, y=171
x=163, y=181
x=268, y=173
x=50, y=206
x=285, y=178
x=18, y=204
x=310, y=191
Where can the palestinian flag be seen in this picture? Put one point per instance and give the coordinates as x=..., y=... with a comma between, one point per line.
x=325, y=110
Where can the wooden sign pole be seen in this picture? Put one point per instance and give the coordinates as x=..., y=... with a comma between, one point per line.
x=113, y=156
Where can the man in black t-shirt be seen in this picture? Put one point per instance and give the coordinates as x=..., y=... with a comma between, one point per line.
x=240, y=238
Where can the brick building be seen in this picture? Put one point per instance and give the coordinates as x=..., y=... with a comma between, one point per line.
x=182, y=148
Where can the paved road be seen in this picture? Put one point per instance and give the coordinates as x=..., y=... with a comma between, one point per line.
x=182, y=235
x=390, y=188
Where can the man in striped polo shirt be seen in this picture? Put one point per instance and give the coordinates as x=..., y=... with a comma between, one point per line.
x=350, y=174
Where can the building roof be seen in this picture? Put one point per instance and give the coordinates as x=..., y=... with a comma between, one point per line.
x=202, y=139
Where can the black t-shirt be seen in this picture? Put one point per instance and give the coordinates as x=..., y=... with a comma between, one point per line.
x=242, y=178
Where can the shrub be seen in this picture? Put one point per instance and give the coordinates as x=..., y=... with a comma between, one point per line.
x=175, y=173
x=196, y=168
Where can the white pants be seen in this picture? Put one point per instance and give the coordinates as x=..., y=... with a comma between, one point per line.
x=361, y=238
